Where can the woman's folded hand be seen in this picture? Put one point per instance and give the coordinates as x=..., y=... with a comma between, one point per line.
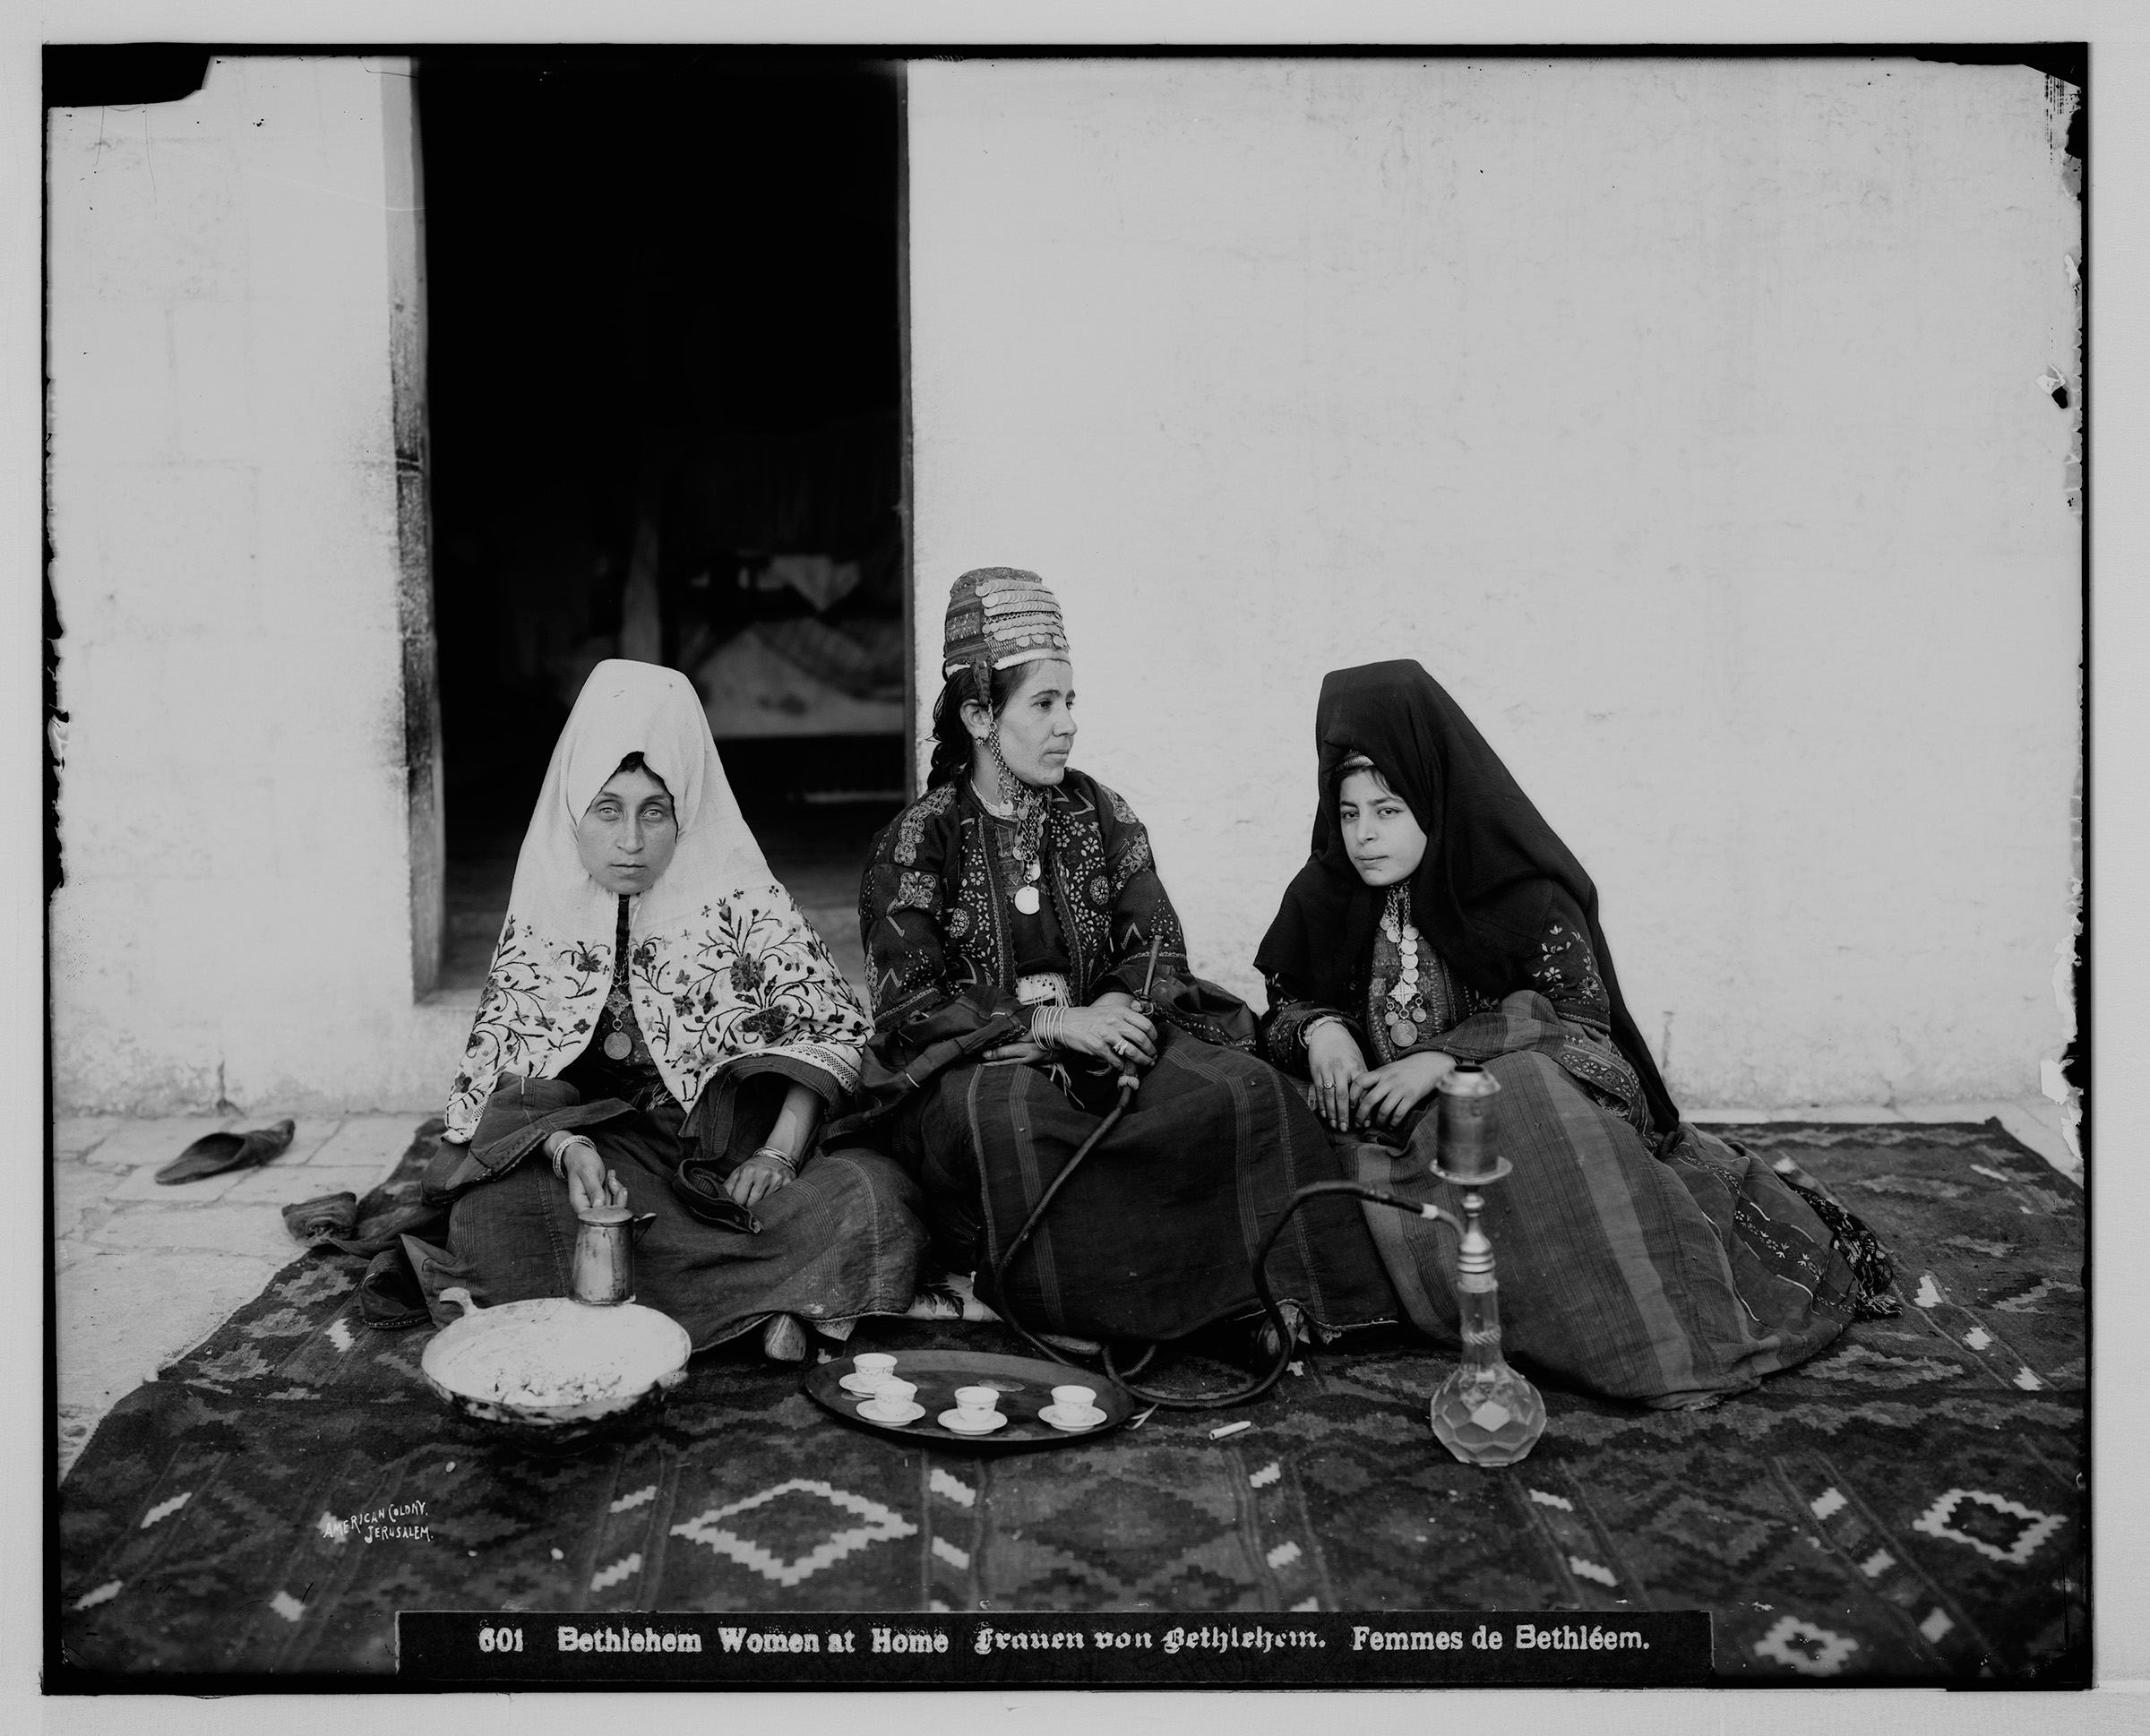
x=1384, y=1096
x=1334, y=1063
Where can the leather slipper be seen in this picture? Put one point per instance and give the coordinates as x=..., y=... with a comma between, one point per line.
x=389, y=1296
x=325, y=1219
x=214, y=1152
x=697, y=1186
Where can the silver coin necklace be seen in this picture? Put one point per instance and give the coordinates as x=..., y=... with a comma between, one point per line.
x=1406, y=1008
x=1026, y=898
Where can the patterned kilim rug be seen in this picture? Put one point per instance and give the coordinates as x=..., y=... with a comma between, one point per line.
x=1910, y=1506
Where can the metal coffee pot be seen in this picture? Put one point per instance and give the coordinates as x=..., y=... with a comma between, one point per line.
x=603, y=1273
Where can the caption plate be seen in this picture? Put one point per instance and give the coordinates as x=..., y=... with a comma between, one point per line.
x=1391, y=1648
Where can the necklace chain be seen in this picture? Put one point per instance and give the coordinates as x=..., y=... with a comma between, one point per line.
x=1024, y=807
x=1397, y=924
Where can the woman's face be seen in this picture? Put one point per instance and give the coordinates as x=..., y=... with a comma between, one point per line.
x=1038, y=724
x=1381, y=833
x=627, y=835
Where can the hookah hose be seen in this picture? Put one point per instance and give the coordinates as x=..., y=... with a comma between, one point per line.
x=1286, y=1338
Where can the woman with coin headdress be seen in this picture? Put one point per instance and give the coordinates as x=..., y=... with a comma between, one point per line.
x=662, y=1029
x=1441, y=922
x=1011, y=916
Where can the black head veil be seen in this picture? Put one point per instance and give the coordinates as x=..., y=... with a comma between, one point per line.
x=1494, y=872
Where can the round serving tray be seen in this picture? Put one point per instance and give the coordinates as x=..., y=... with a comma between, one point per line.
x=1025, y=1384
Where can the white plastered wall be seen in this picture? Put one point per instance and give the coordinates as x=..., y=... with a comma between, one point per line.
x=1682, y=416
x=236, y=913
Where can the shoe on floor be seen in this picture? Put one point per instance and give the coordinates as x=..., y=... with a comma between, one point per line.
x=327, y=1218
x=214, y=1152
x=1263, y=1340
x=783, y=1339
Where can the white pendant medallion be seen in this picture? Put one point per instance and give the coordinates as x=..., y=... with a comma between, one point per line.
x=1026, y=900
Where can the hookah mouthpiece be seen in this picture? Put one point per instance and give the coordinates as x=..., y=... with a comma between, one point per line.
x=1129, y=1080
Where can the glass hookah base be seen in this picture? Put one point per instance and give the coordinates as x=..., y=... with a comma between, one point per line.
x=1488, y=1417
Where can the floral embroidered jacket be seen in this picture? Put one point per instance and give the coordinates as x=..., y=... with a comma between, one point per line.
x=744, y=975
x=933, y=914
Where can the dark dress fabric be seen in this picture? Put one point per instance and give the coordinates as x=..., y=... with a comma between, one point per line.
x=1154, y=1237
x=842, y=1241
x=1495, y=881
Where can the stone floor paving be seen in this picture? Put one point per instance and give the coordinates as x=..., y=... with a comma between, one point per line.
x=143, y=1273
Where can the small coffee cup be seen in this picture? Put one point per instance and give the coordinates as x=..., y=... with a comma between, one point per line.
x=874, y=1368
x=893, y=1395
x=977, y=1401
x=1074, y=1401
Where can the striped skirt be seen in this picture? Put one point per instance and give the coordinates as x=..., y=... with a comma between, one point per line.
x=1675, y=1279
x=1155, y=1236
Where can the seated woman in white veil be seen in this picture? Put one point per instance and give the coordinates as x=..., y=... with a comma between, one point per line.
x=661, y=1028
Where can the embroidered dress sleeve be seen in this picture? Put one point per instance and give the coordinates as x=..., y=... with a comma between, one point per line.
x=1566, y=971
x=926, y=987
x=1290, y=1017
x=1139, y=908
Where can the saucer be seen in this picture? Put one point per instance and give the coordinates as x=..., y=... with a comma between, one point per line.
x=1054, y=1417
x=850, y=1383
x=873, y=1412
x=962, y=1425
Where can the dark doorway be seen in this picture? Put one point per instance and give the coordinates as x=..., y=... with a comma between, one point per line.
x=664, y=390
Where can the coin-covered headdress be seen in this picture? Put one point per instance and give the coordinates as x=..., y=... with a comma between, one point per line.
x=998, y=618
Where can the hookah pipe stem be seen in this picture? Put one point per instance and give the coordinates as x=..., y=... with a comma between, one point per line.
x=1129, y=1082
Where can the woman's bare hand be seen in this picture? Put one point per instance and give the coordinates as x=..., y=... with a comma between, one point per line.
x=1110, y=1031
x=1384, y=1096
x=1334, y=1064
x=1025, y=1050
x=753, y=1181
x=590, y=1184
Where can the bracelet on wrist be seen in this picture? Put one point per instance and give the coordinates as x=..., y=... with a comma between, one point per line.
x=561, y=1145
x=1307, y=1030
x=769, y=1153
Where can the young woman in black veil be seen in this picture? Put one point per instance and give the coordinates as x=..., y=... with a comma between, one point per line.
x=1438, y=920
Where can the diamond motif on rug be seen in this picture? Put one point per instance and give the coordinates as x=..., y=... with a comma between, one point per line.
x=1996, y=1517
x=882, y=1524
x=1723, y=1534
x=1810, y=1650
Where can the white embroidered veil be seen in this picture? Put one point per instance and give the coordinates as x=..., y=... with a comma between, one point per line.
x=721, y=964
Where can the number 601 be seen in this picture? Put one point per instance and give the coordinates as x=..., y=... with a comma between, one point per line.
x=500, y=1639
